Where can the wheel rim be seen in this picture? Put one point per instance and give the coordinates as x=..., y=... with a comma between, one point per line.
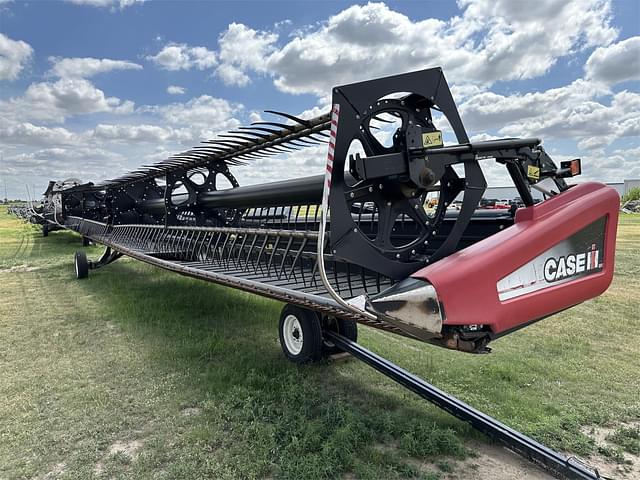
x=292, y=334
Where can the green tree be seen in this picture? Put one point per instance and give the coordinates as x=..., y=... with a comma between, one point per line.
x=633, y=194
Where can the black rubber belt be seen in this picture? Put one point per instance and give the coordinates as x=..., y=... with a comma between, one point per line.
x=556, y=463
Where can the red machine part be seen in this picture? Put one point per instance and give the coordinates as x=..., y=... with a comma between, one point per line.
x=467, y=281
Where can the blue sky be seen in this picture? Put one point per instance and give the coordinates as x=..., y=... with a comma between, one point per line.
x=85, y=84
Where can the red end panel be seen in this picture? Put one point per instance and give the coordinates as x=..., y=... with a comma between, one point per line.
x=557, y=254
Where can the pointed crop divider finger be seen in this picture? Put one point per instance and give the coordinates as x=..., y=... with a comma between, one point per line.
x=290, y=117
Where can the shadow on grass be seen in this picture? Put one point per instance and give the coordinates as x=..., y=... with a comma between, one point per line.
x=264, y=415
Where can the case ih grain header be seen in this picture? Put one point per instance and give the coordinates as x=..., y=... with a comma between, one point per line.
x=374, y=239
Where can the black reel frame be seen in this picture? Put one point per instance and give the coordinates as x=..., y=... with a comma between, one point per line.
x=391, y=179
x=169, y=199
x=187, y=207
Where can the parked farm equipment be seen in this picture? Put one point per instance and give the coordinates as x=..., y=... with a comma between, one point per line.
x=373, y=239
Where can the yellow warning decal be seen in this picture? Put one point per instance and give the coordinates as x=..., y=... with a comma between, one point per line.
x=432, y=139
x=533, y=172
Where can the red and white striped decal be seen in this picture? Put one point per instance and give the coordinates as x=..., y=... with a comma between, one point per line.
x=335, y=114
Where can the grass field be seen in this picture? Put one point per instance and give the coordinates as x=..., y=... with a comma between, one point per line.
x=141, y=373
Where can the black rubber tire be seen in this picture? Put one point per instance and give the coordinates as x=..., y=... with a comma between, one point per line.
x=45, y=230
x=81, y=265
x=310, y=330
x=346, y=328
x=86, y=241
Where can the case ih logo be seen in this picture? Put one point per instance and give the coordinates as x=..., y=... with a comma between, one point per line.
x=571, y=265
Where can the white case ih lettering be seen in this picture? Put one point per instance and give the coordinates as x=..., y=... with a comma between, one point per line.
x=571, y=265
x=577, y=255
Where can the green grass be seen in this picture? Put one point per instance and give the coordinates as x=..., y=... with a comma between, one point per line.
x=194, y=374
x=628, y=438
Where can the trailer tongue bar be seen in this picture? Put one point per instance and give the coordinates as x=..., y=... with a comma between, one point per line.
x=375, y=240
x=558, y=464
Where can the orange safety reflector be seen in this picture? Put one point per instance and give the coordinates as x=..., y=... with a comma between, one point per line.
x=573, y=166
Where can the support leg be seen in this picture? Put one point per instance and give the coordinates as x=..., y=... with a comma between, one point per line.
x=82, y=265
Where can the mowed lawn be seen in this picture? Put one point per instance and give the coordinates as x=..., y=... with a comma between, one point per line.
x=140, y=373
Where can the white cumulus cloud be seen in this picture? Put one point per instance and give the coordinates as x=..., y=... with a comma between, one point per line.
x=28, y=134
x=126, y=133
x=14, y=55
x=204, y=111
x=616, y=63
x=485, y=42
x=108, y=3
x=87, y=67
x=492, y=40
x=176, y=90
x=241, y=49
x=180, y=56
x=583, y=111
x=56, y=101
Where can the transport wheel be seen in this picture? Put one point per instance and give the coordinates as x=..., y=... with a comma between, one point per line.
x=346, y=328
x=81, y=264
x=45, y=230
x=86, y=241
x=300, y=334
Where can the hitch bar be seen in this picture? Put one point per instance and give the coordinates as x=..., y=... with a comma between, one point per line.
x=552, y=461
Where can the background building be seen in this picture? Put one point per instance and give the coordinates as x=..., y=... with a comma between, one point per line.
x=509, y=192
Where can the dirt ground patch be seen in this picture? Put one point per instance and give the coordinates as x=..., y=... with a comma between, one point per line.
x=494, y=461
x=490, y=461
x=56, y=472
x=611, y=460
x=19, y=268
x=129, y=449
x=190, y=411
